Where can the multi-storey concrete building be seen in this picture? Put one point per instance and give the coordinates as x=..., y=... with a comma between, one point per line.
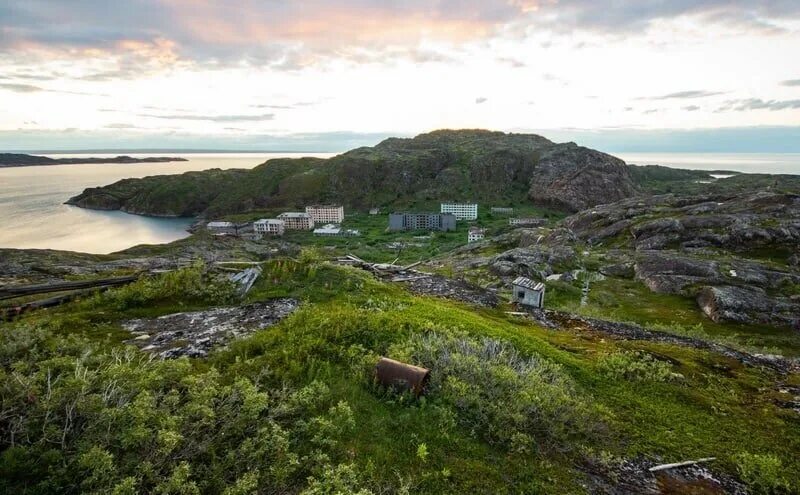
x=422, y=221
x=294, y=220
x=269, y=226
x=326, y=213
x=475, y=234
x=462, y=211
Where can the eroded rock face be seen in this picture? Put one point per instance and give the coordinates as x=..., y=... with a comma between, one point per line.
x=573, y=177
x=737, y=223
x=195, y=333
x=747, y=305
x=534, y=261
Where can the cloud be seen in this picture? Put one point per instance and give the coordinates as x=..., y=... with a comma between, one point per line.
x=698, y=93
x=121, y=126
x=213, y=118
x=791, y=82
x=140, y=36
x=758, y=104
x=288, y=106
x=480, y=100
x=691, y=108
x=21, y=88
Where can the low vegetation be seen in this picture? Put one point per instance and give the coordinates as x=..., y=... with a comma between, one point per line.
x=512, y=407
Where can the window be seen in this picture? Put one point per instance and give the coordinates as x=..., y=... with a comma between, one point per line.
x=521, y=294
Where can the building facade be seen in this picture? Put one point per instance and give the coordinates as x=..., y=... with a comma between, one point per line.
x=333, y=230
x=475, y=234
x=269, y=226
x=422, y=221
x=462, y=211
x=527, y=292
x=222, y=228
x=530, y=222
x=502, y=210
x=296, y=220
x=326, y=213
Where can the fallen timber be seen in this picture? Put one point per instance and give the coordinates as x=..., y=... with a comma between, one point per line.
x=8, y=314
x=30, y=290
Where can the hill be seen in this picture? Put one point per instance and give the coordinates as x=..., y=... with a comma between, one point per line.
x=475, y=165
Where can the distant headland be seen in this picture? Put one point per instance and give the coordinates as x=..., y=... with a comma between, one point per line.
x=24, y=160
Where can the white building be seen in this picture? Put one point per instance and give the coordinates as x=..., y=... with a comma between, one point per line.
x=295, y=220
x=269, y=226
x=333, y=230
x=326, y=213
x=475, y=234
x=526, y=291
x=462, y=211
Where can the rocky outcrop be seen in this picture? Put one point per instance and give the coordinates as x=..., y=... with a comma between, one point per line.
x=536, y=262
x=194, y=334
x=736, y=223
x=747, y=305
x=572, y=177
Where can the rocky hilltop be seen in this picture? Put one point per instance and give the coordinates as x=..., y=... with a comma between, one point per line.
x=473, y=165
x=24, y=160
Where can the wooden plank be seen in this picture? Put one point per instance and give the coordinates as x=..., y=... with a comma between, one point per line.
x=28, y=290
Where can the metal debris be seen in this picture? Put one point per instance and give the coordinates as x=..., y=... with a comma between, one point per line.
x=401, y=376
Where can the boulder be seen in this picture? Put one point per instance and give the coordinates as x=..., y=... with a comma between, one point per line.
x=747, y=305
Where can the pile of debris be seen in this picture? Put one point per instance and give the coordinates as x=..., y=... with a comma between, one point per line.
x=195, y=333
x=426, y=284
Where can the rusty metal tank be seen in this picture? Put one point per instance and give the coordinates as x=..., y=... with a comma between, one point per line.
x=401, y=376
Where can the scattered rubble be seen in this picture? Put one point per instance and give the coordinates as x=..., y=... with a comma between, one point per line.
x=558, y=319
x=636, y=476
x=195, y=333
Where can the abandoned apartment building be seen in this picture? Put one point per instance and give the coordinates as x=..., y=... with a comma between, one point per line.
x=269, y=226
x=502, y=210
x=475, y=234
x=422, y=221
x=528, y=292
x=296, y=220
x=326, y=213
x=462, y=211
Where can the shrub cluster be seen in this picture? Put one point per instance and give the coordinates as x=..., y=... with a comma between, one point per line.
x=192, y=284
x=76, y=419
x=523, y=403
x=636, y=366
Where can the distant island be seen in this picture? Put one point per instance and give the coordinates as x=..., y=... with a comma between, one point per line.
x=24, y=160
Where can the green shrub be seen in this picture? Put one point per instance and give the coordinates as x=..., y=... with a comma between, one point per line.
x=520, y=402
x=192, y=284
x=635, y=366
x=763, y=473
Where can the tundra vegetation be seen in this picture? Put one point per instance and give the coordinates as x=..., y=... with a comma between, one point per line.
x=512, y=407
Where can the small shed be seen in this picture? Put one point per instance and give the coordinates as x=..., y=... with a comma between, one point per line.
x=528, y=292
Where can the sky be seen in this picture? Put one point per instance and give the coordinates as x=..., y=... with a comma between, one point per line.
x=638, y=75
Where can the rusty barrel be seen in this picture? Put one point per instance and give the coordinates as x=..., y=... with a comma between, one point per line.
x=401, y=376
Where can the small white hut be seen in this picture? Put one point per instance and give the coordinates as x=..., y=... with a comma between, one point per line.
x=528, y=292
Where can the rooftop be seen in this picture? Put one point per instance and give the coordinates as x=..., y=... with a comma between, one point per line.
x=294, y=214
x=219, y=224
x=527, y=283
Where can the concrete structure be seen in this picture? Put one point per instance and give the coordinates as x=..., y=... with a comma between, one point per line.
x=422, y=221
x=333, y=230
x=527, y=292
x=462, y=211
x=374, y=211
x=531, y=222
x=296, y=220
x=269, y=226
x=501, y=210
x=222, y=228
x=326, y=213
x=475, y=234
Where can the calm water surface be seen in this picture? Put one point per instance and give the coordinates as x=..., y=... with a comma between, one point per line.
x=32, y=213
